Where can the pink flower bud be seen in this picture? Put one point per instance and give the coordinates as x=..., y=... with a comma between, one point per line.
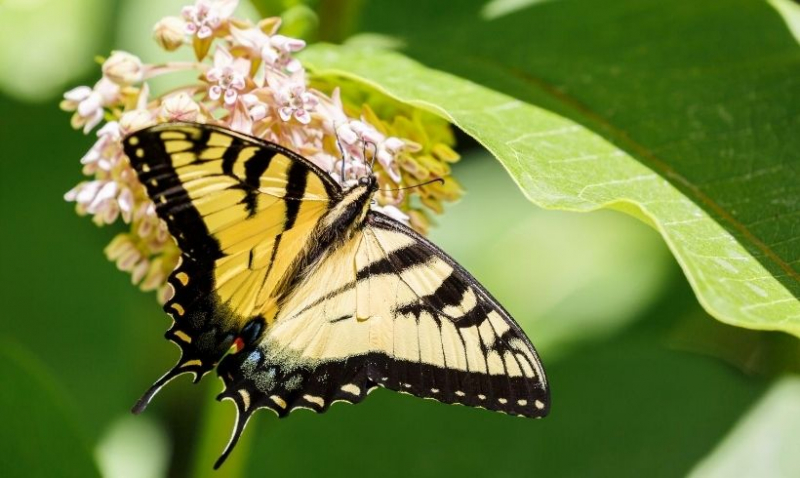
x=123, y=68
x=179, y=107
x=135, y=120
x=169, y=33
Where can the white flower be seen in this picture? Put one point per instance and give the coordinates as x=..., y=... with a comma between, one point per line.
x=88, y=103
x=105, y=151
x=293, y=101
x=393, y=212
x=179, y=107
x=229, y=75
x=98, y=198
x=240, y=119
x=169, y=33
x=256, y=108
x=385, y=152
x=274, y=50
x=123, y=68
x=135, y=120
x=205, y=16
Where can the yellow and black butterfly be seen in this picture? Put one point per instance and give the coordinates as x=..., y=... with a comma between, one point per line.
x=302, y=296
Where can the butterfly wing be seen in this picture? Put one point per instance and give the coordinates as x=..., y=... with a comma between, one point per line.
x=241, y=210
x=441, y=334
x=387, y=309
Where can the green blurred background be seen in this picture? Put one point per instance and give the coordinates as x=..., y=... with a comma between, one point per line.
x=644, y=383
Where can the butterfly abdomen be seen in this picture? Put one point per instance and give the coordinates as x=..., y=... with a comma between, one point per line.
x=333, y=230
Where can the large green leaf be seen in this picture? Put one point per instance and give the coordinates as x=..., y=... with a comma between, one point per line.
x=684, y=114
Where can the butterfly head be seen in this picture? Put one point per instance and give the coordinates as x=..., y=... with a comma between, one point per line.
x=369, y=181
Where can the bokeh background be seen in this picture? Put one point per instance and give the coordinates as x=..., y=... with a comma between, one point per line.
x=644, y=382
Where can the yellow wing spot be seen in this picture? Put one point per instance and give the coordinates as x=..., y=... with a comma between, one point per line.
x=495, y=363
x=245, y=398
x=145, y=167
x=351, y=389
x=219, y=139
x=177, y=146
x=183, y=336
x=407, y=385
x=167, y=135
x=539, y=404
x=460, y=393
x=182, y=277
x=179, y=309
x=278, y=401
x=212, y=153
x=314, y=399
x=434, y=390
x=139, y=153
x=522, y=403
x=133, y=141
x=512, y=366
x=191, y=363
x=182, y=159
x=502, y=400
x=482, y=396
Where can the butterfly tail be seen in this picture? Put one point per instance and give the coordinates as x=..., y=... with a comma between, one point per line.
x=243, y=414
x=180, y=368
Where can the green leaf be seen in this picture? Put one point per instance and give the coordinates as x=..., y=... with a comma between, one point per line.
x=765, y=442
x=681, y=114
x=38, y=436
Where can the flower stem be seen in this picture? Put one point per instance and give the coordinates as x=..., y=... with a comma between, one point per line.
x=338, y=19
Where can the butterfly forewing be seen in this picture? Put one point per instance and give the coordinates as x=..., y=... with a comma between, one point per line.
x=450, y=340
x=240, y=210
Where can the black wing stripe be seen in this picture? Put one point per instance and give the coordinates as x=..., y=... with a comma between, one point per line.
x=389, y=263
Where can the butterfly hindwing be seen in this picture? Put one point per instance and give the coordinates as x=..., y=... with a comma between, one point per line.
x=394, y=312
x=240, y=210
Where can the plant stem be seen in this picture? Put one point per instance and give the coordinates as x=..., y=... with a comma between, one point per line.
x=338, y=19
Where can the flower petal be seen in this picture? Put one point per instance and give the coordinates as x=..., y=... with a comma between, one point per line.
x=78, y=94
x=230, y=96
x=215, y=92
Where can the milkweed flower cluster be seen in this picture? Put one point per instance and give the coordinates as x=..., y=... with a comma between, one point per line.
x=250, y=81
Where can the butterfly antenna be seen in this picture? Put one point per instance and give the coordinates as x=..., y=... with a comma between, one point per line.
x=374, y=155
x=341, y=150
x=436, y=180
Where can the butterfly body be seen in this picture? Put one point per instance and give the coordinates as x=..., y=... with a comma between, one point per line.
x=318, y=298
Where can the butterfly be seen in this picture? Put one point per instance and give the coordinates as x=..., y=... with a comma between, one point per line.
x=300, y=295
